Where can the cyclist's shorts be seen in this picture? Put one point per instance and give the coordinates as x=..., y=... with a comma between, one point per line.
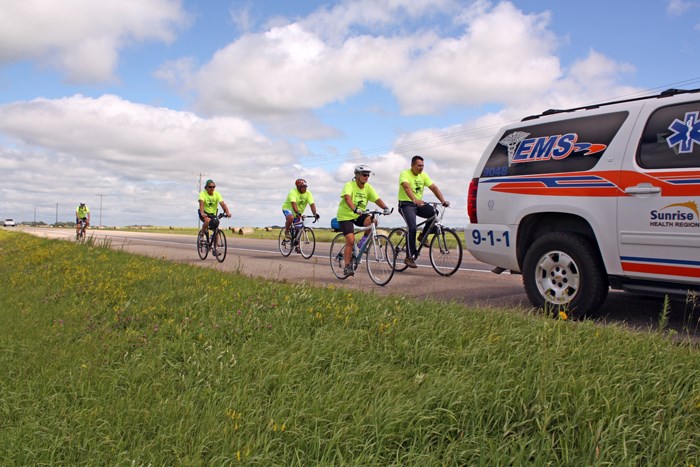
x=287, y=212
x=213, y=223
x=347, y=227
x=78, y=219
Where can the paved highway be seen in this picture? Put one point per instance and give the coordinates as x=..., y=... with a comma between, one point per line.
x=473, y=284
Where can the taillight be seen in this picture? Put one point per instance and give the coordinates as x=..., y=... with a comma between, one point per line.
x=471, y=200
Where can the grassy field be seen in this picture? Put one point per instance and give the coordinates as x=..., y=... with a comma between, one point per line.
x=112, y=358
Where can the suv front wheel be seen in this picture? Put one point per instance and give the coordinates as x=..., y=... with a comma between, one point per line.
x=562, y=271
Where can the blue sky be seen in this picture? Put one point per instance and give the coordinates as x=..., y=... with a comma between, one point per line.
x=133, y=100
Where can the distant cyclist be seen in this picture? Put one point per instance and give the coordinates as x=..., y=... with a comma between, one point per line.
x=294, y=206
x=82, y=213
x=411, y=184
x=353, y=200
x=209, y=200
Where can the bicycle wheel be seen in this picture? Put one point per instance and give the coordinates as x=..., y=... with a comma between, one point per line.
x=285, y=245
x=381, y=260
x=337, y=251
x=398, y=238
x=307, y=242
x=222, y=247
x=202, y=245
x=446, y=252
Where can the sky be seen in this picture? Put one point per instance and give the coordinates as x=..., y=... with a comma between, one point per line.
x=128, y=106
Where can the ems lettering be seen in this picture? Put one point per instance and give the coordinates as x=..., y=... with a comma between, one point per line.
x=543, y=148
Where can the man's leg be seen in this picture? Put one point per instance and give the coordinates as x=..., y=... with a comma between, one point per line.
x=288, y=219
x=408, y=211
x=426, y=211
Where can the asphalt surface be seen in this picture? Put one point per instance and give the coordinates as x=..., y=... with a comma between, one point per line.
x=473, y=284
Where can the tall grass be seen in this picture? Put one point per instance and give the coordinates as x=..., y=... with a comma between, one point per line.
x=112, y=358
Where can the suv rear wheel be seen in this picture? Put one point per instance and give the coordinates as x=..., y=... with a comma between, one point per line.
x=562, y=271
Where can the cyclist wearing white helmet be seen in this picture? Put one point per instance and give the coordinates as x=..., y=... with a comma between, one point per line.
x=295, y=204
x=353, y=201
x=82, y=213
x=411, y=184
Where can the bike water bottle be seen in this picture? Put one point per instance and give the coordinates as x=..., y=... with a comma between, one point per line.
x=362, y=242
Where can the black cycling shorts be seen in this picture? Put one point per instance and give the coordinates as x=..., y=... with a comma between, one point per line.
x=348, y=227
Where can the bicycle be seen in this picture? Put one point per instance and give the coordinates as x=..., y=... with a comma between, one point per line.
x=379, y=252
x=302, y=239
x=216, y=243
x=82, y=225
x=445, y=257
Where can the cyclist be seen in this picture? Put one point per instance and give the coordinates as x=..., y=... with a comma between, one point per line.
x=295, y=204
x=209, y=200
x=82, y=213
x=353, y=200
x=411, y=184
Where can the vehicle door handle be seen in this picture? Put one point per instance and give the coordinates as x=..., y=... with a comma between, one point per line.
x=643, y=189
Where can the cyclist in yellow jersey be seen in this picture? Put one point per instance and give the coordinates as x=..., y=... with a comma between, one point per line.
x=353, y=200
x=209, y=200
x=411, y=184
x=82, y=212
x=294, y=206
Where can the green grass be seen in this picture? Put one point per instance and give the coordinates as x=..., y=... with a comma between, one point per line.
x=112, y=358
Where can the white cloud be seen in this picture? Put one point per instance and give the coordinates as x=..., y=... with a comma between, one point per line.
x=147, y=158
x=503, y=55
x=678, y=7
x=82, y=38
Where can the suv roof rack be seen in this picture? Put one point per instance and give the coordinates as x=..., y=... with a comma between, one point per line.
x=666, y=93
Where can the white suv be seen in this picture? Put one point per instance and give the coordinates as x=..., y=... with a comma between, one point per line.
x=9, y=223
x=584, y=199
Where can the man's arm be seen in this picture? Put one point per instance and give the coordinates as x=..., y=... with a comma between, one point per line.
x=409, y=192
x=223, y=205
x=434, y=188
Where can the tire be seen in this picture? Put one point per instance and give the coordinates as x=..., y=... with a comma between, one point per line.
x=285, y=246
x=307, y=242
x=222, y=246
x=381, y=260
x=398, y=238
x=336, y=256
x=445, y=256
x=202, y=245
x=562, y=271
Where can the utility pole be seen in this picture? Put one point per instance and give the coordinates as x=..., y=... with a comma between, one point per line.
x=199, y=190
x=34, y=216
x=56, y=223
x=101, y=196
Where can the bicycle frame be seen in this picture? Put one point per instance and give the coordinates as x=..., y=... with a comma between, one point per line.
x=377, y=251
x=435, y=223
x=444, y=258
x=211, y=243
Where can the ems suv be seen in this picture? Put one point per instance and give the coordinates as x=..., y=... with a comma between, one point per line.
x=585, y=199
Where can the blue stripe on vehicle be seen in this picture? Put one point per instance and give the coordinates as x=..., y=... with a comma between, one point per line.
x=660, y=260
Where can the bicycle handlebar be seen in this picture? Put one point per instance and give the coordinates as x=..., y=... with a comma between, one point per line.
x=304, y=217
x=376, y=213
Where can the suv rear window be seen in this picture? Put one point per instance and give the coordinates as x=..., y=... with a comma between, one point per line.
x=570, y=145
x=671, y=138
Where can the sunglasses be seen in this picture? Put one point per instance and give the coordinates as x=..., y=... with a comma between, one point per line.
x=211, y=186
x=366, y=174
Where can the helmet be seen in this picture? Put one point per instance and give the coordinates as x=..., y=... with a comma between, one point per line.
x=82, y=204
x=361, y=168
x=300, y=183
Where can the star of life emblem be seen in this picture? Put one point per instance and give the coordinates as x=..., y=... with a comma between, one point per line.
x=511, y=142
x=686, y=133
